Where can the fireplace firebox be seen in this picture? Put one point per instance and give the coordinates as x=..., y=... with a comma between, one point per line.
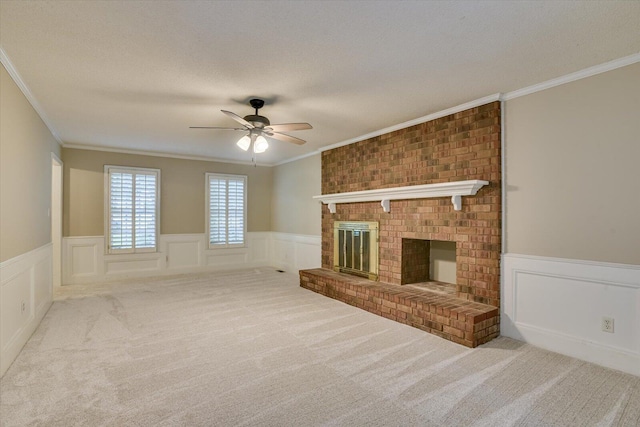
x=356, y=248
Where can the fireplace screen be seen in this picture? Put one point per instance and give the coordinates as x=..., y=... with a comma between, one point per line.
x=356, y=248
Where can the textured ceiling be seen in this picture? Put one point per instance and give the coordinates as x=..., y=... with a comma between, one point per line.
x=136, y=74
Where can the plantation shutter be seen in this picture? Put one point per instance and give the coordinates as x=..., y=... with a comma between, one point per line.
x=145, y=203
x=226, y=209
x=132, y=209
x=121, y=211
x=235, y=197
x=217, y=211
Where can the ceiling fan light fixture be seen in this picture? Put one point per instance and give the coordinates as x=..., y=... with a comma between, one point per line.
x=261, y=145
x=255, y=127
x=244, y=142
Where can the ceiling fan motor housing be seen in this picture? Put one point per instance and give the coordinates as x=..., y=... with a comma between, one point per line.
x=257, y=121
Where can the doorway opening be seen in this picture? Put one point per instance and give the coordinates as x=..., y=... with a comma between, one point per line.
x=56, y=219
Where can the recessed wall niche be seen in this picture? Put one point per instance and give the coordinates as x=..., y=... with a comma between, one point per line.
x=442, y=261
x=427, y=261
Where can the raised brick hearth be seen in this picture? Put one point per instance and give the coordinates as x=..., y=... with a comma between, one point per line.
x=461, y=321
x=458, y=147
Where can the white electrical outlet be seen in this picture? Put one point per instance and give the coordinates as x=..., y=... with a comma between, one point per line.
x=607, y=324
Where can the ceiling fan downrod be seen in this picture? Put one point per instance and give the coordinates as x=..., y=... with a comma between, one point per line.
x=257, y=104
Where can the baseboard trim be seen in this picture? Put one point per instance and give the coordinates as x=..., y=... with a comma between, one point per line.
x=607, y=356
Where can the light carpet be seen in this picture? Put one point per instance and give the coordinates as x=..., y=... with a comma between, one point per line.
x=252, y=348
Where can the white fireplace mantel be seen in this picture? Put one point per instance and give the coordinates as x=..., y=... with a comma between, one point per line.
x=454, y=189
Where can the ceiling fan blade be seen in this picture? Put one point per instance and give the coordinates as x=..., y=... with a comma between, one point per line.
x=286, y=138
x=214, y=127
x=287, y=127
x=238, y=119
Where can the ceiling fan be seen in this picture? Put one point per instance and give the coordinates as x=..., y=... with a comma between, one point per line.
x=258, y=127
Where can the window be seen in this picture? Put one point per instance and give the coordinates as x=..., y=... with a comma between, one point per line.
x=226, y=209
x=132, y=204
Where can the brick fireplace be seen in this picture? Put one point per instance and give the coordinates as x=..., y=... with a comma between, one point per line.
x=458, y=147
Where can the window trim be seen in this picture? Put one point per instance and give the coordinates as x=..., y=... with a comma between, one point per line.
x=108, y=169
x=207, y=212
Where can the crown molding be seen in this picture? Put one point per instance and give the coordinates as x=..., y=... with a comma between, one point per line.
x=578, y=75
x=160, y=154
x=294, y=159
x=433, y=116
x=587, y=72
x=8, y=65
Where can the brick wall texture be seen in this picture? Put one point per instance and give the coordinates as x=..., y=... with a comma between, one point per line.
x=457, y=147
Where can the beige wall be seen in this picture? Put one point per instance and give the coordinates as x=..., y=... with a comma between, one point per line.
x=573, y=169
x=182, y=195
x=25, y=173
x=294, y=185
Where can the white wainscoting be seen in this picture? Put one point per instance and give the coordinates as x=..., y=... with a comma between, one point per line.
x=183, y=251
x=293, y=252
x=84, y=260
x=254, y=255
x=26, y=287
x=558, y=304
